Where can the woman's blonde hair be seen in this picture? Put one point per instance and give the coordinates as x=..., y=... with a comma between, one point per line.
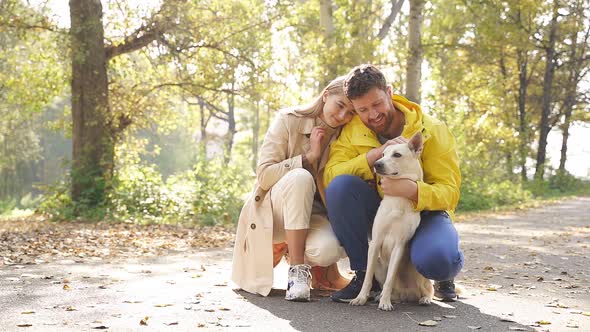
x=315, y=108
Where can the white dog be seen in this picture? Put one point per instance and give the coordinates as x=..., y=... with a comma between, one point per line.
x=394, y=225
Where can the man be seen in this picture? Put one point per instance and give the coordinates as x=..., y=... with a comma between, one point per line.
x=353, y=198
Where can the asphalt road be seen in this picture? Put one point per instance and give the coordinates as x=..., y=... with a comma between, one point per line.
x=524, y=271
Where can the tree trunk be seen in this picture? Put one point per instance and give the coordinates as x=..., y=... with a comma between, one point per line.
x=578, y=61
x=203, y=128
x=231, y=122
x=327, y=28
x=255, y=132
x=93, y=146
x=414, y=66
x=546, y=107
x=522, y=61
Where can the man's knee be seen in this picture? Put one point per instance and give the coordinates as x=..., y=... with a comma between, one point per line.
x=437, y=263
x=339, y=189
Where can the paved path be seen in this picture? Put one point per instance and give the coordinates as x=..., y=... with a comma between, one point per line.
x=527, y=267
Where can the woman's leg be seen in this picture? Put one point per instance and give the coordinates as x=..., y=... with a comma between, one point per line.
x=323, y=251
x=292, y=200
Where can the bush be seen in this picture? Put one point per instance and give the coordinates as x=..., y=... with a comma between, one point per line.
x=212, y=193
x=485, y=194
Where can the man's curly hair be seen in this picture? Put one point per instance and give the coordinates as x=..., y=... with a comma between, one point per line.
x=363, y=78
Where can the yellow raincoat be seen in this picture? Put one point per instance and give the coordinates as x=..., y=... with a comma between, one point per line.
x=442, y=178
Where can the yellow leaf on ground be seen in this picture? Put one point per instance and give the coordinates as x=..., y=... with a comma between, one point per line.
x=428, y=323
x=144, y=320
x=543, y=322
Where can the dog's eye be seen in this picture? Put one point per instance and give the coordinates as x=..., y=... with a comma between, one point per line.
x=397, y=155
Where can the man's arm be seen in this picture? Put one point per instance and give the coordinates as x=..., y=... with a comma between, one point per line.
x=442, y=177
x=346, y=157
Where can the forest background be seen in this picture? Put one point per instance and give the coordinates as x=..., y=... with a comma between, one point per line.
x=153, y=111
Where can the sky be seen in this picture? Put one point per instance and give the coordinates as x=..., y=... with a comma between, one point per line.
x=578, y=162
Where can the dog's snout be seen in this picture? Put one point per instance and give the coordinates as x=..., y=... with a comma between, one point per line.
x=379, y=167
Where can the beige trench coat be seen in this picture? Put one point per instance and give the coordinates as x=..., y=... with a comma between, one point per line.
x=285, y=141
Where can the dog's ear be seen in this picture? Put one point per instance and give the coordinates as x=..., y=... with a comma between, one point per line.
x=415, y=143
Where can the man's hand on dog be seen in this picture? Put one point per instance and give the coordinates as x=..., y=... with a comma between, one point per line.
x=375, y=154
x=400, y=188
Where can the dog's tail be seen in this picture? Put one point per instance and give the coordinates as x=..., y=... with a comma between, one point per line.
x=459, y=290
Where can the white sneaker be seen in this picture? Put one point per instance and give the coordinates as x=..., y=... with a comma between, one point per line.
x=299, y=283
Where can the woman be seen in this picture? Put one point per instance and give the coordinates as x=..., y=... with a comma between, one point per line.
x=287, y=204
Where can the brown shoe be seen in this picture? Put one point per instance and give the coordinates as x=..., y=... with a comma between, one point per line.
x=278, y=251
x=328, y=278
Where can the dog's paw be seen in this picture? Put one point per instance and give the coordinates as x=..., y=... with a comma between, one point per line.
x=425, y=300
x=385, y=305
x=360, y=300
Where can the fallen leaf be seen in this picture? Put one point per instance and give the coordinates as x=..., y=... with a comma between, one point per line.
x=224, y=309
x=543, y=322
x=493, y=287
x=209, y=310
x=449, y=316
x=586, y=313
x=24, y=325
x=221, y=285
x=144, y=320
x=572, y=324
x=27, y=312
x=474, y=327
x=517, y=328
x=163, y=305
x=66, y=287
x=428, y=323
x=170, y=324
x=70, y=308
x=196, y=276
x=200, y=325
x=100, y=327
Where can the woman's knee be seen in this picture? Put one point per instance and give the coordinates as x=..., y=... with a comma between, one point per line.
x=299, y=180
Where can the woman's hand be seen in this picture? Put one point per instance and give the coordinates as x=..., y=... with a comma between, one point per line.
x=315, y=141
x=400, y=188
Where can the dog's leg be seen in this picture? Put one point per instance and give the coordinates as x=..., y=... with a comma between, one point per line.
x=426, y=290
x=374, y=248
x=392, y=271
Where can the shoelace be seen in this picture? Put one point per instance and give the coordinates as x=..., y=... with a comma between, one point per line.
x=302, y=273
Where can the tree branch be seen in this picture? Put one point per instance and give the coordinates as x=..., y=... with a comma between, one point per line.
x=396, y=6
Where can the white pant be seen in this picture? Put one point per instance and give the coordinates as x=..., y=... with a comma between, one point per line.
x=293, y=208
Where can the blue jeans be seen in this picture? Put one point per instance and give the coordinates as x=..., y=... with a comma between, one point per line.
x=352, y=205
